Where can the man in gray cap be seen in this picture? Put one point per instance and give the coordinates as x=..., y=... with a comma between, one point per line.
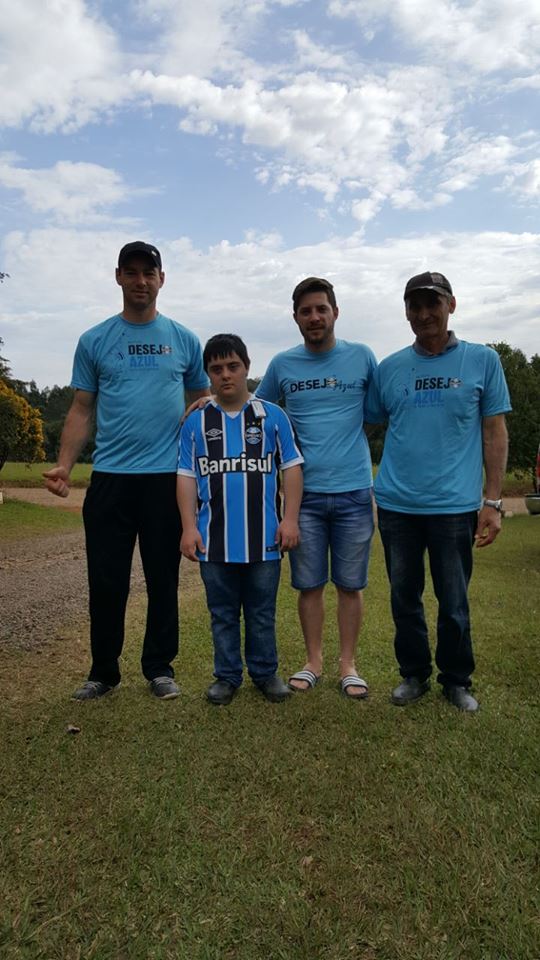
x=444, y=401
x=131, y=370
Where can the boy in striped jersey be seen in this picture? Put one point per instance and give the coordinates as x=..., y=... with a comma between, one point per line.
x=231, y=453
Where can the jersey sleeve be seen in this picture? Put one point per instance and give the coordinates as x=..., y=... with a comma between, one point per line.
x=289, y=450
x=495, y=396
x=186, y=448
x=269, y=388
x=84, y=375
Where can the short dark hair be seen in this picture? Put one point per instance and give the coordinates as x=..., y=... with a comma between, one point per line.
x=313, y=285
x=222, y=345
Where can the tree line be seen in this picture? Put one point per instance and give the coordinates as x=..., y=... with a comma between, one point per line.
x=31, y=419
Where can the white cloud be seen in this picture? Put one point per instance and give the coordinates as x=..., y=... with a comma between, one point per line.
x=62, y=282
x=310, y=55
x=481, y=157
x=59, y=64
x=525, y=179
x=486, y=35
x=371, y=132
x=69, y=192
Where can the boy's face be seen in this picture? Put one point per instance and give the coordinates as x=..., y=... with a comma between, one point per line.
x=228, y=378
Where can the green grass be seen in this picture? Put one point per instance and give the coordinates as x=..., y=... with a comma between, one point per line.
x=317, y=828
x=31, y=475
x=19, y=520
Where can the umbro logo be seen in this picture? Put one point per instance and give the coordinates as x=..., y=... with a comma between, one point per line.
x=214, y=434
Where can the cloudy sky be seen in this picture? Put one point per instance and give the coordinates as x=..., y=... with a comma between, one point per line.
x=259, y=141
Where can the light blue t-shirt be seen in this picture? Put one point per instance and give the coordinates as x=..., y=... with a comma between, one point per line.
x=324, y=398
x=139, y=372
x=432, y=458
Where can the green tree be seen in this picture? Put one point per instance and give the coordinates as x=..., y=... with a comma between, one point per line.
x=21, y=428
x=523, y=379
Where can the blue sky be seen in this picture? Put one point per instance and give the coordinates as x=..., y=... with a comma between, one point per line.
x=256, y=142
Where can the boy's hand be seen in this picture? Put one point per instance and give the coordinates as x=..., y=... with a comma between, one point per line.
x=190, y=543
x=288, y=535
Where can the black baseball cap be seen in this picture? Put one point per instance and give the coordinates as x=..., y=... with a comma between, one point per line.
x=428, y=281
x=138, y=246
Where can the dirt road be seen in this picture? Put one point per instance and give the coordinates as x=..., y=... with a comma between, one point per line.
x=43, y=585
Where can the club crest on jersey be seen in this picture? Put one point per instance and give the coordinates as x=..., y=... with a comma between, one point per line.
x=214, y=434
x=253, y=435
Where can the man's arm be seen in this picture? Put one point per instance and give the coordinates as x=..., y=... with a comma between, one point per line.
x=186, y=495
x=495, y=453
x=288, y=533
x=193, y=395
x=75, y=436
x=196, y=399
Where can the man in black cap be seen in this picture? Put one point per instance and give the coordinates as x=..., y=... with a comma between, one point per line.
x=131, y=370
x=444, y=400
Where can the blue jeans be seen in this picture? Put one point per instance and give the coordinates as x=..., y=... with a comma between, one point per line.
x=231, y=587
x=448, y=539
x=341, y=523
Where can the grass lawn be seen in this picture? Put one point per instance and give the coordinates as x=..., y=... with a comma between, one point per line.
x=317, y=828
x=19, y=520
x=31, y=475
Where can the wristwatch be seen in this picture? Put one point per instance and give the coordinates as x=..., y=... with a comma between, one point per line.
x=496, y=504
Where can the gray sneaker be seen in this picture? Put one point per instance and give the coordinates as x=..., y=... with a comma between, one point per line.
x=164, y=688
x=92, y=690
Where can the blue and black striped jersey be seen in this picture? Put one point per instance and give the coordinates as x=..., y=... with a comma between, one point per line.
x=236, y=459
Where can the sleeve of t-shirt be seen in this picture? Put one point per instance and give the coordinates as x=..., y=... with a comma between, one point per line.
x=374, y=411
x=195, y=378
x=495, y=397
x=186, y=447
x=84, y=375
x=289, y=450
x=269, y=388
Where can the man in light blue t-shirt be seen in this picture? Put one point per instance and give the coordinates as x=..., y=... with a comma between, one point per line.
x=323, y=383
x=131, y=371
x=444, y=401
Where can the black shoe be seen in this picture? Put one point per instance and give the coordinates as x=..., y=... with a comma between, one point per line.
x=92, y=690
x=164, y=688
x=409, y=690
x=274, y=689
x=460, y=698
x=221, y=693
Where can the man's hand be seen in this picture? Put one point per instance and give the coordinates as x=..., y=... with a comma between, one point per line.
x=190, y=543
x=57, y=481
x=287, y=535
x=489, y=525
x=196, y=405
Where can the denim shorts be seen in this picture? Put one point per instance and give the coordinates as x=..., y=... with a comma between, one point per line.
x=340, y=524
